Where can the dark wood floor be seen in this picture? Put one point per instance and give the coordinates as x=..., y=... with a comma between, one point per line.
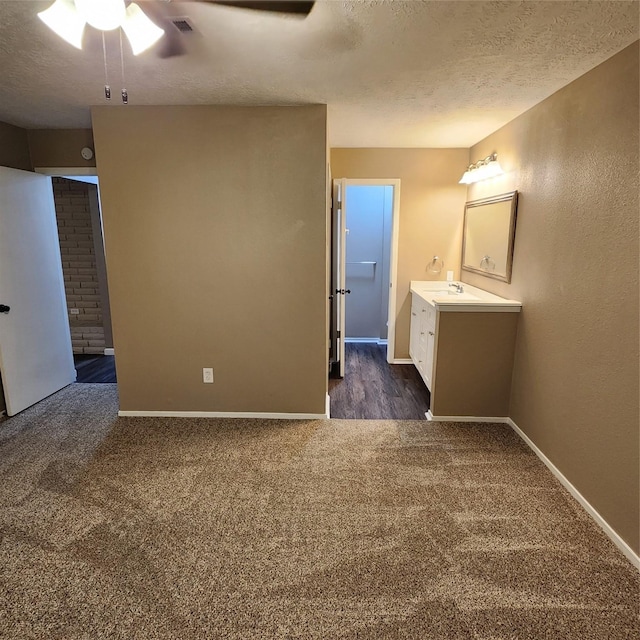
x=95, y=368
x=372, y=389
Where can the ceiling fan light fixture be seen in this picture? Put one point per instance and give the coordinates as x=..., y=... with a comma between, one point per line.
x=64, y=20
x=105, y=15
x=141, y=32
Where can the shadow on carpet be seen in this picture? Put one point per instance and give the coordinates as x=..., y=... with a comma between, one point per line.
x=157, y=528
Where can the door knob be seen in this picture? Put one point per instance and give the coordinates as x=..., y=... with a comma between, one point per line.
x=4, y=308
x=343, y=291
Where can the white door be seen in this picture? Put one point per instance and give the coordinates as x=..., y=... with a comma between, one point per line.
x=36, y=359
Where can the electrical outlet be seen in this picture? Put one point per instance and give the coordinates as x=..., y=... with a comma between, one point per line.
x=207, y=375
x=449, y=276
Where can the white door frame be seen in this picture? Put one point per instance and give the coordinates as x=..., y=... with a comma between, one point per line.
x=67, y=171
x=338, y=267
x=393, y=258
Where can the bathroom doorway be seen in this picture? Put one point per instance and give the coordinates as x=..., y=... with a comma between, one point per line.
x=369, y=216
x=367, y=381
x=365, y=216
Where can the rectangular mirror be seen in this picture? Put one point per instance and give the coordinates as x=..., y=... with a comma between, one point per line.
x=488, y=234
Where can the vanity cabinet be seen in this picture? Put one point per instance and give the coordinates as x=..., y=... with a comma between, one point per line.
x=422, y=337
x=463, y=347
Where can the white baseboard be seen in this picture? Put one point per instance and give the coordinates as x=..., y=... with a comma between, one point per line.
x=327, y=409
x=230, y=414
x=430, y=416
x=401, y=361
x=629, y=553
x=109, y=351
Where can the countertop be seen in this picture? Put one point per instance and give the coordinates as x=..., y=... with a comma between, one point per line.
x=444, y=298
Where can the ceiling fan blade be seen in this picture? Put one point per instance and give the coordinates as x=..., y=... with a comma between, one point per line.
x=293, y=7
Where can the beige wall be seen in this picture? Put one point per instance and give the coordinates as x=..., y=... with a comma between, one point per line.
x=215, y=232
x=14, y=147
x=574, y=159
x=60, y=147
x=431, y=212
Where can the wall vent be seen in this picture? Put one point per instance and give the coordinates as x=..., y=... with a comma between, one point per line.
x=183, y=24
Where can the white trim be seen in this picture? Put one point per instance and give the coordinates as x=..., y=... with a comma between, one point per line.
x=327, y=407
x=402, y=361
x=224, y=414
x=430, y=416
x=628, y=552
x=393, y=275
x=109, y=351
x=67, y=171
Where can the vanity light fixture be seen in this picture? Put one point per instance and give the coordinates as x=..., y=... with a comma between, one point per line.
x=488, y=167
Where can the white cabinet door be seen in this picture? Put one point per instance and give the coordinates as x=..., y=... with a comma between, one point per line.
x=414, y=332
x=429, y=351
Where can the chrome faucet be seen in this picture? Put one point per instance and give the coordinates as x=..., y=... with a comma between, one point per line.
x=458, y=287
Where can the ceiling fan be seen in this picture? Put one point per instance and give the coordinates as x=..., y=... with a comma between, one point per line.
x=68, y=18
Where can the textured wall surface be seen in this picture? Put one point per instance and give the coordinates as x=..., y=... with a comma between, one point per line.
x=574, y=159
x=215, y=232
x=60, y=147
x=431, y=212
x=79, y=265
x=14, y=147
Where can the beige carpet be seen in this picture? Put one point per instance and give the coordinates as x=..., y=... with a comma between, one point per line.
x=144, y=528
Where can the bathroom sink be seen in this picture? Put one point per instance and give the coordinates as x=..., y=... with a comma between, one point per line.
x=454, y=295
x=448, y=299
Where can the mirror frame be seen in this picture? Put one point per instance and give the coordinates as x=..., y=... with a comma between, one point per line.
x=511, y=196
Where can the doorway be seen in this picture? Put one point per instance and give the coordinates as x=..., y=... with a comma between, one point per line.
x=376, y=205
x=80, y=234
x=367, y=382
x=369, y=215
x=79, y=220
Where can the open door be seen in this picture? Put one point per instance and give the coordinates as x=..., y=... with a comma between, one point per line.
x=338, y=277
x=36, y=358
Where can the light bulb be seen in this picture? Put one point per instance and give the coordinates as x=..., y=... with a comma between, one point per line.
x=105, y=15
x=141, y=32
x=63, y=19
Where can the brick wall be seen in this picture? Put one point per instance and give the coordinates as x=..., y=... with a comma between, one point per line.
x=79, y=265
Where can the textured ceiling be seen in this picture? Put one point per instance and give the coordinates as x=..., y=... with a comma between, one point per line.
x=394, y=73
